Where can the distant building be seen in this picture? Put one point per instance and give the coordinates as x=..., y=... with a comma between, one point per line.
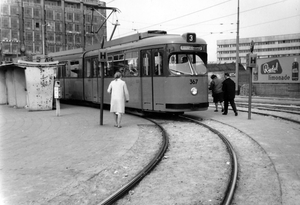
x=265, y=47
x=39, y=27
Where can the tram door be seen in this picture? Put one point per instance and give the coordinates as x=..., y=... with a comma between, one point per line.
x=90, y=79
x=151, y=71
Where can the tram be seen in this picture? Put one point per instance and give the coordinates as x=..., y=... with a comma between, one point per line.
x=163, y=72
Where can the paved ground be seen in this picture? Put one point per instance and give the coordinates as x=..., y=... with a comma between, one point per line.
x=40, y=153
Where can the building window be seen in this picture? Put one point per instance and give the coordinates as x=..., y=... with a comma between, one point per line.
x=78, y=38
x=6, y=47
x=36, y=13
x=28, y=36
x=28, y=24
x=38, y=48
x=15, y=35
x=58, y=38
x=51, y=48
x=14, y=10
x=88, y=18
x=37, y=36
x=14, y=23
x=5, y=9
x=77, y=27
x=69, y=27
x=5, y=34
x=88, y=28
x=49, y=14
x=29, y=47
x=58, y=48
x=5, y=22
x=15, y=48
x=70, y=38
x=77, y=17
x=50, y=36
x=70, y=16
x=58, y=16
x=58, y=27
x=28, y=12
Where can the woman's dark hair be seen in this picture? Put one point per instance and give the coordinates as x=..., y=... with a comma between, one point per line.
x=213, y=76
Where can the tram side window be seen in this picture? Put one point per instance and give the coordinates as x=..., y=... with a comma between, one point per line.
x=158, y=59
x=74, y=68
x=95, y=67
x=61, y=72
x=131, y=67
x=68, y=70
x=114, y=64
x=88, y=66
x=146, y=63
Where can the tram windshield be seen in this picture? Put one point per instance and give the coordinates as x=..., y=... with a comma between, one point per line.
x=186, y=64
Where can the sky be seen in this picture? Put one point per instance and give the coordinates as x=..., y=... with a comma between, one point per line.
x=211, y=20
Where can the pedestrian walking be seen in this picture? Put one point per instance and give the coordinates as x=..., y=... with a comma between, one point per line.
x=229, y=94
x=119, y=95
x=217, y=92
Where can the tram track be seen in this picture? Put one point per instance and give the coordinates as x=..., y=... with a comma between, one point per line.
x=140, y=175
x=228, y=194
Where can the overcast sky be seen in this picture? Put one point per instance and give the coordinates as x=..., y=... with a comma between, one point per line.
x=211, y=20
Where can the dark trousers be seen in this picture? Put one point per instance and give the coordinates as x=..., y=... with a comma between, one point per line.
x=232, y=103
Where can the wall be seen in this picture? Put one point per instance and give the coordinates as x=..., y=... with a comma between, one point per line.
x=277, y=90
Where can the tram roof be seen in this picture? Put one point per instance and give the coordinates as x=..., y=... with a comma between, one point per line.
x=155, y=40
x=143, y=39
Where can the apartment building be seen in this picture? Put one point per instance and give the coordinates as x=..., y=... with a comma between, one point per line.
x=39, y=27
x=265, y=47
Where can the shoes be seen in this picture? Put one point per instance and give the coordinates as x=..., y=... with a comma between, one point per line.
x=222, y=110
x=216, y=111
x=236, y=114
x=224, y=113
x=119, y=126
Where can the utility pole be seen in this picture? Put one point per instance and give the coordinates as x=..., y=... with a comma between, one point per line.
x=237, y=50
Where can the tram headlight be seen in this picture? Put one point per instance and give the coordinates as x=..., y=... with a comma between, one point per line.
x=194, y=91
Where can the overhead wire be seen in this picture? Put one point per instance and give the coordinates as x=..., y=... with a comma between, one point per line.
x=243, y=27
x=209, y=20
x=182, y=16
x=228, y=15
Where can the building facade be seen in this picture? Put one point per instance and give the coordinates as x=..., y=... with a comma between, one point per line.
x=265, y=47
x=39, y=27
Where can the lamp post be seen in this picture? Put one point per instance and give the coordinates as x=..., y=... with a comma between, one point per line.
x=237, y=50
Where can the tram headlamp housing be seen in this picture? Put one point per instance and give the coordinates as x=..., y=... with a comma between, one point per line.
x=194, y=91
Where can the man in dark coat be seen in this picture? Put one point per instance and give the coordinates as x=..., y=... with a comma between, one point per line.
x=229, y=94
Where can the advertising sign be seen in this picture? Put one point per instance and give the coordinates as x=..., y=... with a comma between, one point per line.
x=277, y=70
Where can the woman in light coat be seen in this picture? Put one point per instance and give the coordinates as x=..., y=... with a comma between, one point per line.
x=119, y=95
